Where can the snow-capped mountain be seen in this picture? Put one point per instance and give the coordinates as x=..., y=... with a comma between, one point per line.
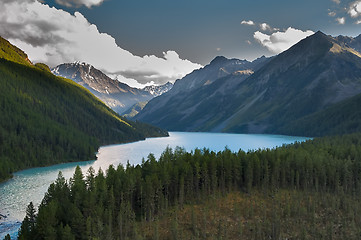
x=117, y=95
x=158, y=90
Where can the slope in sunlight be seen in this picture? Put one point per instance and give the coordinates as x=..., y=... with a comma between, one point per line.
x=46, y=119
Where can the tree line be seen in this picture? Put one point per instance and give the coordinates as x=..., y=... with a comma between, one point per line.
x=108, y=205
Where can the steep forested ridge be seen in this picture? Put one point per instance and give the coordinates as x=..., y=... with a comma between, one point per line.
x=306, y=190
x=46, y=119
x=341, y=118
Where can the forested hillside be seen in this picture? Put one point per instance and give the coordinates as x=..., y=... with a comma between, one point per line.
x=46, y=119
x=341, y=118
x=306, y=190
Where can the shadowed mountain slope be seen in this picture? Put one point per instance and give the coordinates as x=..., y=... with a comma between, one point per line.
x=314, y=74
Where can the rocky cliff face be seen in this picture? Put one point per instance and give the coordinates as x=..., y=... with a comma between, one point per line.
x=118, y=96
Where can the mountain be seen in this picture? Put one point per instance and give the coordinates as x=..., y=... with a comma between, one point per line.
x=183, y=99
x=116, y=95
x=219, y=67
x=45, y=119
x=134, y=110
x=338, y=119
x=351, y=42
x=314, y=74
x=158, y=90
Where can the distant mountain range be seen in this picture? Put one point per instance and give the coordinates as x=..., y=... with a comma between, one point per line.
x=156, y=91
x=115, y=94
x=264, y=96
x=45, y=119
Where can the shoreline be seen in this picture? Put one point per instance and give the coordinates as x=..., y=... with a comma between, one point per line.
x=73, y=161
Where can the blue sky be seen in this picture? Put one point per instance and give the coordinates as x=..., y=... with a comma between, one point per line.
x=162, y=35
x=197, y=28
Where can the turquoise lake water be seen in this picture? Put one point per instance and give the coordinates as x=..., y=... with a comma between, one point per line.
x=30, y=185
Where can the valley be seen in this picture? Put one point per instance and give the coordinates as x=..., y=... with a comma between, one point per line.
x=224, y=167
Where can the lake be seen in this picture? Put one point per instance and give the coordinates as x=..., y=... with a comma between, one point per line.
x=31, y=184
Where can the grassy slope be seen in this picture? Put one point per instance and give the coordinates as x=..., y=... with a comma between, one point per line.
x=47, y=119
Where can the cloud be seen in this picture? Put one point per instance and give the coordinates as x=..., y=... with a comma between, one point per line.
x=132, y=82
x=280, y=41
x=265, y=27
x=248, y=42
x=79, y=3
x=331, y=14
x=249, y=22
x=336, y=1
x=355, y=9
x=55, y=36
x=262, y=26
x=341, y=21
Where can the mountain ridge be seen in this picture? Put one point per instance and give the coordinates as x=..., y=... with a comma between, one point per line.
x=115, y=94
x=312, y=75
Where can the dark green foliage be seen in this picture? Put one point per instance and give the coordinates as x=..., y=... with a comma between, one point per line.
x=7, y=237
x=46, y=119
x=114, y=204
x=341, y=118
x=27, y=230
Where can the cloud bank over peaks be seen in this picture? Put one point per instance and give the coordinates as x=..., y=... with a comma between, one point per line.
x=79, y=3
x=55, y=36
x=279, y=41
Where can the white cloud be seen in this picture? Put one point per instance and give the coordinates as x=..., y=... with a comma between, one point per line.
x=132, y=82
x=265, y=27
x=355, y=9
x=358, y=22
x=336, y=1
x=332, y=14
x=341, y=21
x=249, y=22
x=54, y=36
x=79, y=3
x=280, y=41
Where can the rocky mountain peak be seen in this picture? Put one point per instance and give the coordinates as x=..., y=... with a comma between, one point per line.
x=158, y=90
x=219, y=60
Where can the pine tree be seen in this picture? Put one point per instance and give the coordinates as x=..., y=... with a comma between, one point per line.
x=27, y=229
